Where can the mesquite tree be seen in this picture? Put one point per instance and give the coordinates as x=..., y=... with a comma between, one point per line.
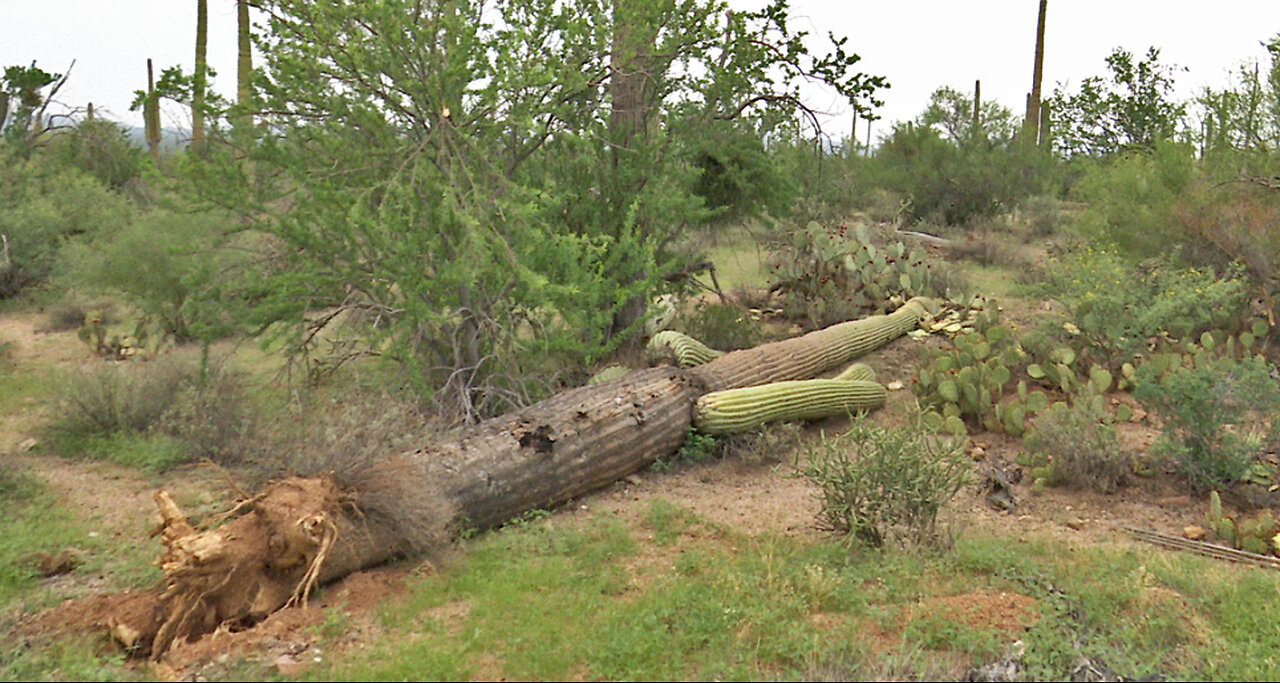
x=497, y=185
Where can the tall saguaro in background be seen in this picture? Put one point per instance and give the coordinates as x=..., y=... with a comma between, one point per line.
x=200, y=80
x=244, y=63
x=151, y=115
x=977, y=111
x=1032, y=123
x=632, y=86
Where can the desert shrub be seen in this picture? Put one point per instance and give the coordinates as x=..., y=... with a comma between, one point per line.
x=1132, y=198
x=168, y=264
x=194, y=409
x=121, y=397
x=1076, y=450
x=955, y=184
x=213, y=417
x=738, y=177
x=64, y=316
x=41, y=209
x=1235, y=223
x=101, y=149
x=1118, y=305
x=1043, y=215
x=988, y=247
x=885, y=484
x=1213, y=415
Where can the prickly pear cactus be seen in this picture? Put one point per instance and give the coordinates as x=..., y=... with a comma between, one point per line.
x=830, y=274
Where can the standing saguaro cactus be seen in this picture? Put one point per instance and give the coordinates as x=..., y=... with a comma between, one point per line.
x=151, y=115
x=1032, y=123
x=200, y=81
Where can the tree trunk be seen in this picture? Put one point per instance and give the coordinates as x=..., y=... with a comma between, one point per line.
x=304, y=531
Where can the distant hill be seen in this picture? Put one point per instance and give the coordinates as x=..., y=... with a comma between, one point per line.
x=170, y=140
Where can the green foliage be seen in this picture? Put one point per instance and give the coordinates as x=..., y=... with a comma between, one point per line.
x=42, y=208
x=1070, y=447
x=101, y=149
x=1240, y=123
x=1204, y=408
x=153, y=414
x=951, y=112
x=510, y=187
x=721, y=326
x=953, y=184
x=23, y=100
x=1133, y=198
x=737, y=177
x=885, y=484
x=1131, y=108
x=172, y=266
x=1117, y=307
x=828, y=275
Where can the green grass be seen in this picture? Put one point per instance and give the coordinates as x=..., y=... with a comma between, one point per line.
x=740, y=261
x=143, y=451
x=677, y=598
x=32, y=522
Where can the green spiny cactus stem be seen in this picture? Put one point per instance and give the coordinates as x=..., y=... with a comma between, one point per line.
x=686, y=350
x=608, y=374
x=857, y=371
x=747, y=408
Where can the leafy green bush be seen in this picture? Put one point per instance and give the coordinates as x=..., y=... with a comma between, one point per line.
x=1117, y=305
x=1076, y=450
x=955, y=184
x=41, y=209
x=101, y=149
x=170, y=265
x=1132, y=198
x=723, y=327
x=1204, y=408
x=881, y=483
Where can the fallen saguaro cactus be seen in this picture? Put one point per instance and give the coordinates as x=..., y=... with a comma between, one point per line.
x=685, y=350
x=300, y=532
x=740, y=410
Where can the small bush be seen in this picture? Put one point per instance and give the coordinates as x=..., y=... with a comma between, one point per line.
x=1204, y=409
x=880, y=484
x=64, y=317
x=1133, y=197
x=169, y=265
x=1077, y=450
x=121, y=397
x=213, y=417
x=192, y=413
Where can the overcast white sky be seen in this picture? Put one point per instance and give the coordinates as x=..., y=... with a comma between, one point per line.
x=917, y=45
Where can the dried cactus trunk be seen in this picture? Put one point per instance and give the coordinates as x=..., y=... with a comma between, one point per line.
x=305, y=530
